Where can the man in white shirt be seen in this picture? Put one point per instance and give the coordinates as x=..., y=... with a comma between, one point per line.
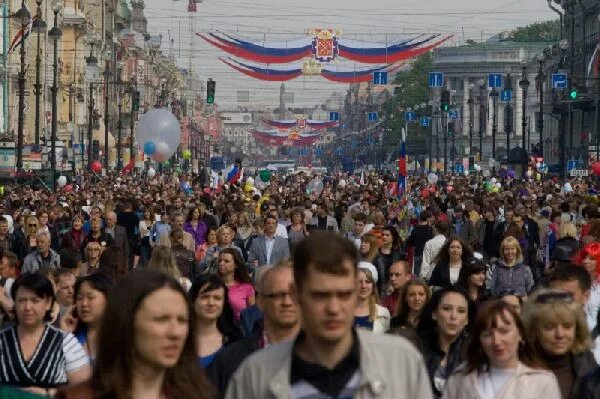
x=358, y=229
x=432, y=248
x=281, y=230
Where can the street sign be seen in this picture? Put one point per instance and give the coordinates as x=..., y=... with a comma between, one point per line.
x=579, y=173
x=506, y=96
x=436, y=79
x=424, y=122
x=334, y=116
x=453, y=114
x=338, y=151
x=571, y=165
x=380, y=78
x=410, y=116
x=559, y=80
x=373, y=117
x=494, y=80
x=459, y=168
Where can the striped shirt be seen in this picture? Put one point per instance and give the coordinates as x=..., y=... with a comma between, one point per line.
x=57, y=353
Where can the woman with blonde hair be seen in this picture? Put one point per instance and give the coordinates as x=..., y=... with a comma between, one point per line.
x=567, y=245
x=31, y=228
x=162, y=259
x=368, y=248
x=368, y=313
x=510, y=273
x=92, y=255
x=557, y=330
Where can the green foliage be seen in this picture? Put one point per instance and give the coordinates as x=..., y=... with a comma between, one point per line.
x=547, y=31
x=412, y=89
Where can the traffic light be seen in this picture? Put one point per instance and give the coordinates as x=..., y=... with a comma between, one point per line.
x=451, y=128
x=135, y=103
x=210, y=91
x=508, y=119
x=574, y=93
x=445, y=101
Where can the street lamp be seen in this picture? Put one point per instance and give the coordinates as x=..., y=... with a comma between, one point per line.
x=471, y=104
x=482, y=116
x=23, y=16
x=494, y=94
x=508, y=117
x=106, y=75
x=91, y=75
x=524, y=85
x=54, y=34
x=540, y=78
x=39, y=27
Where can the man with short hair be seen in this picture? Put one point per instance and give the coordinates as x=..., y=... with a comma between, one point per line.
x=322, y=220
x=9, y=241
x=42, y=257
x=329, y=358
x=358, y=229
x=433, y=247
x=177, y=225
x=577, y=281
x=281, y=230
x=419, y=235
x=399, y=275
x=268, y=248
x=117, y=232
x=281, y=322
x=65, y=289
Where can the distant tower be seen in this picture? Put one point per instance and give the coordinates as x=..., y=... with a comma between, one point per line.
x=139, y=23
x=282, y=102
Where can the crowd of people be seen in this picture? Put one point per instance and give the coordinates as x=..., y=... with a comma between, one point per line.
x=303, y=286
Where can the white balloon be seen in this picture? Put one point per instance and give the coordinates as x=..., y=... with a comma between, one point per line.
x=151, y=172
x=162, y=148
x=494, y=180
x=250, y=180
x=159, y=125
x=477, y=167
x=529, y=173
x=315, y=186
x=432, y=178
x=499, y=185
x=61, y=181
x=342, y=183
x=466, y=172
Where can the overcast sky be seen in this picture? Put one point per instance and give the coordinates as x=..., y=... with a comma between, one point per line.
x=281, y=20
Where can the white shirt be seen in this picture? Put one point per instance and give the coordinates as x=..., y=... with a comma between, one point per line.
x=269, y=244
x=592, y=307
x=431, y=250
x=281, y=231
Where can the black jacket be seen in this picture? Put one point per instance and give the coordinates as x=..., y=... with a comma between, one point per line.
x=440, y=276
x=229, y=359
x=583, y=364
x=433, y=355
x=589, y=386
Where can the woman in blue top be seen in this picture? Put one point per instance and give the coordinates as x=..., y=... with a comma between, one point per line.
x=90, y=301
x=216, y=327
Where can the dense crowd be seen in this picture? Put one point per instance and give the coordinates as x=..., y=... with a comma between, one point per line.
x=301, y=286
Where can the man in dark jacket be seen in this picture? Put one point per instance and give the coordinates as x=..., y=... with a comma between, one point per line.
x=419, y=235
x=281, y=323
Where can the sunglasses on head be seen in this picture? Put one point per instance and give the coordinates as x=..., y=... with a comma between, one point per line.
x=550, y=297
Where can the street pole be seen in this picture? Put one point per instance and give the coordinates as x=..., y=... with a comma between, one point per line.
x=471, y=104
x=55, y=34
x=23, y=16
x=508, y=129
x=39, y=26
x=597, y=118
x=132, y=126
x=494, y=95
x=119, y=130
x=445, y=133
x=524, y=85
x=540, y=122
x=106, y=121
x=482, y=119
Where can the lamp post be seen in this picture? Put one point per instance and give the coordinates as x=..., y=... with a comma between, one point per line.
x=445, y=133
x=437, y=117
x=482, y=117
x=91, y=72
x=23, y=16
x=54, y=34
x=508, y=117
x=106, y=76
x=540, y=78
x=471, y=104
x=524, y=85
x=39, y=27
x=494, y=94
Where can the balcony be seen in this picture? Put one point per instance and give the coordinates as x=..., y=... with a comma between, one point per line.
x=73, y=17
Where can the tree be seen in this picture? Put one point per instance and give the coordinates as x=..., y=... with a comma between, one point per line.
x=547, y=31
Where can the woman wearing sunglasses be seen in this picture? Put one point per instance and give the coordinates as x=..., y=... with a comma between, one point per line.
x=557, y=330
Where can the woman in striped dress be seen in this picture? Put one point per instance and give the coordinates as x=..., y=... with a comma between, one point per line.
x=33, y=354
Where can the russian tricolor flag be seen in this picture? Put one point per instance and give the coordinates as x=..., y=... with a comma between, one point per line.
x=401, y=186
x=593, y=68
x=234, y=175
x=21, y=36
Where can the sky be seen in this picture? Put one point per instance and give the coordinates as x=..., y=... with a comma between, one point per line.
x=271, y=20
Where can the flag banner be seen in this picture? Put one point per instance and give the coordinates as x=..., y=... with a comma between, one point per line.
x=21, y=36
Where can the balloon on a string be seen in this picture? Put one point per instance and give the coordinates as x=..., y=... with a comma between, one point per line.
x=265, y=175
x=342, y=183
x=149, y=148
x=68, y=188
x=315, y=186
x=151, y=172
x=186, y=154
x=250, y=180
x=432, y=178
x=160, y=127
x=61, y=181
x=96, y=166
x=596, y=168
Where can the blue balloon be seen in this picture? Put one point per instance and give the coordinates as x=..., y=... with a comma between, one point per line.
x=149, y=148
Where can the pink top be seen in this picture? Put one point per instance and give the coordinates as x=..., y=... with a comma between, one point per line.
x=238, y=294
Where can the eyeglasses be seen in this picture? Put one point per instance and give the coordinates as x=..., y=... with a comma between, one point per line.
x=280, y=296
x=32, y=225
x=550, y=297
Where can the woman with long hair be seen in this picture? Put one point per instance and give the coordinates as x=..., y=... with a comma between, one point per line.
x=389, y=252
x=500, y=362
x=232, y=270
x=225, y=237
x=442, y=334
x=74, y=237
x=414, y=296
x=510, y=273
x=452, y=256
x=196, y=226
x=213, y=315
x=557, y=330
x=368, y=248
x=369, y=314
x=211, y=242
x=31, y=228
x=244, y=227
x=147, y=344
x=162, y=259
x=92, y=253
x=297, y=231
x=113, y=262
x=144, y=227
x=589, y=258
x=34, y=354
x=471, y=279
x=91, y=293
